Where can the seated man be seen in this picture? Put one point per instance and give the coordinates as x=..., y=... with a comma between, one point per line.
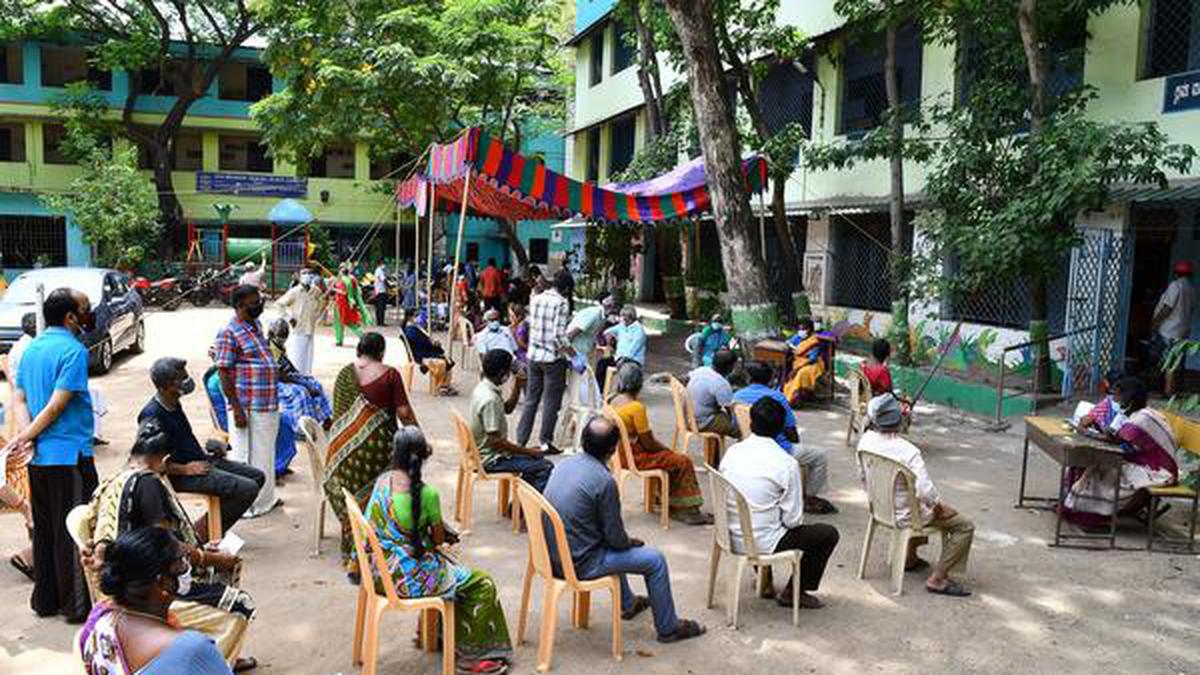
x=585, y=496
x=494, y=335
x=712, y=339
x=814, y=460
x=428, y=354
x=957, y=530
x=630, y=336
x=489, y=425
x=708, y=387
x=808, y=364
x=771, y=484
x=189, y=468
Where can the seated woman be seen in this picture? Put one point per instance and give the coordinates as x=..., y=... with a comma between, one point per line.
x=1148, y=446
x=428, y=354
x=1101, y=416
x=139, y=495
x=808, y=364
x=648, y=453
x=368, y=400
x=135, y=631
x=299, y=395
x=407, y=516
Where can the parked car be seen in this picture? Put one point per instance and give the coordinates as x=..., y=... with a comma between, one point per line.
x=118, y=310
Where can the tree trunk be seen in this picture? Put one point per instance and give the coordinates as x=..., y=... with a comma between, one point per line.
x=753, y=312
x=514, y=242
x=647, y=72
x=900, y=252
x=1035, y=61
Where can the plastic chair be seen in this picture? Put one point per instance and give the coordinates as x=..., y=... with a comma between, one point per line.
x=371, y=606
x=470, y=469
x=317, y=445
x=1187, y=440
x=464, y=339
x=686, y=427
x=625, y=467
x=723, y=493
x=80, y=529
x=880, y=474
x=860, y=394
x=741, y=413
x=539, y=512
x=578, y=414
x=408, y=366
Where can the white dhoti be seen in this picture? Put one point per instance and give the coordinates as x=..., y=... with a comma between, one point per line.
x=254, y=444
x=582, y=401
x=300, y=351
x=99, y=410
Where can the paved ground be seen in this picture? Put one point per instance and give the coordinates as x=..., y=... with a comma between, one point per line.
x=1036, y=609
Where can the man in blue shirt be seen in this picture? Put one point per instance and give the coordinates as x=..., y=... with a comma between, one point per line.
x=814, y=460
x=54, y=412
x=631, y=337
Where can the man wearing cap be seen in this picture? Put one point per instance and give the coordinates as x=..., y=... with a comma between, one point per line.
x=1172, y=320
x=189, y=467
x=957, y=530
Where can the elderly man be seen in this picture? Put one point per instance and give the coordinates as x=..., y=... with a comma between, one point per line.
x=494, y=335
x=630, y=337
x=189, y=467
x=549, y=351
x=252, y=276
x=585, y=496
x=957, y=530
x=250, y=382
x=771, y=483
x=582, y=394
x=53, y=411
x=302, y=306
x=814, y=460
x=711, y=394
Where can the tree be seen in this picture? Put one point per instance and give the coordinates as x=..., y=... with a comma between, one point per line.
x=183, y=43
x=753, y=313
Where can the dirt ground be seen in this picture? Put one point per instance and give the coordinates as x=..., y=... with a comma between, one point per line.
x=1035, y=609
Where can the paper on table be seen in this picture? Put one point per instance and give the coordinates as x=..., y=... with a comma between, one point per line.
x=231, y=543
x=1080, y=411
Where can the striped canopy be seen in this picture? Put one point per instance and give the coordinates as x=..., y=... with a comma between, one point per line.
x=510, y=186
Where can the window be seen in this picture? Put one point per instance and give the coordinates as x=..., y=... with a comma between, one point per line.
x=539, y=251
x=64, y=65
x=622, y=137
x=11, y=64
x=186, y=155
x=1008, y=304
x=396, y=167
x=244, y=153
x=1172, y=43
x=861, y=260
x=156, y=82
x=24, y=239
x=244, y=82
x=12, y=142
x=472, y=251
x=335, y=162
x=864, y=91
x=624, y=47
x=53, y=136
x=592, y=155
x=1064, y=59
x=596, y=59
x=786, y=97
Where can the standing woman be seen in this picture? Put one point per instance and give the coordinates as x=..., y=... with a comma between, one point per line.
x=368, y=400
x=407, y=516
x=345, y=291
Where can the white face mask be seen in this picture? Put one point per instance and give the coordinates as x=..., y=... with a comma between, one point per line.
x=185, y=581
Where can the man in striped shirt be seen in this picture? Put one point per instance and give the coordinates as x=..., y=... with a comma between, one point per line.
x=549, y=349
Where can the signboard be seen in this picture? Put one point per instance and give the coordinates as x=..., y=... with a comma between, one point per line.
x=251, y=185
x=1182, y=92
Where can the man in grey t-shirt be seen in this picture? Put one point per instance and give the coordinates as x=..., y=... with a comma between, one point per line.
x=712, y=395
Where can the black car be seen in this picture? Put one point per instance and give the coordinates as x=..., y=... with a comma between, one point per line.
x=118, y=310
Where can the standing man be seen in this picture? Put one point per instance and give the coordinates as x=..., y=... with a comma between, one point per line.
x=380, y=299
x=54, y=415
x=189, y=467
x=582, y=331
x=249, y=380
x=1173, y=318
x=302, y=306
x=491, y=286
x=549, y=350
x=489, y=425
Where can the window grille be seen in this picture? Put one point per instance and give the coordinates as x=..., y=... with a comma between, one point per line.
x=864, y=91
x=862, y=270
x=1172, y=42
x=624, y=48
x=596, y=59
x=25, y=239
x=1008, y=304
x=622, y=138
x=786, y=97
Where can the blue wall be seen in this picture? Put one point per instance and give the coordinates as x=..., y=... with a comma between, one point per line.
x=588, y=12
x=79, y=252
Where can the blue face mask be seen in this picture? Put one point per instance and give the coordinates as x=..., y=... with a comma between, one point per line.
x=494, y=326
x=716, y=325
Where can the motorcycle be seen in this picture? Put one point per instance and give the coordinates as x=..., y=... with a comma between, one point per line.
x=210, y=285
x=163, y=292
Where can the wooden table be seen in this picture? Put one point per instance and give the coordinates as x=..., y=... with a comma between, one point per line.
x=1071, y=450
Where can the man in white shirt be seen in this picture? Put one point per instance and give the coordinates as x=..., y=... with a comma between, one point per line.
x=494, y=335
x=302, y=306
x=380, y=297
x=1173, y=316
x=549, y=351
x=28, y=332
x=957, y=530
x=770, y=481
x=255, y=277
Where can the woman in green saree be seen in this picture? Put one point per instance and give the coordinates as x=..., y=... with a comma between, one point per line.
x=368, y=399
x=407, y=516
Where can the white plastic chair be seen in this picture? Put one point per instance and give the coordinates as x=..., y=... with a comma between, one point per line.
x=860, y=394
x=723, y=492
x=316, y=443
x=881, y=475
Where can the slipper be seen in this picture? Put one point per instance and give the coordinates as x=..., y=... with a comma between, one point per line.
x=920, y=564
x=818, y=506
x=952, y=589
x=21, y=566
x=692, y=517
x=806, y=601
x=687, y=630
x=244, y=664
x=486, y=666
x=640, y=604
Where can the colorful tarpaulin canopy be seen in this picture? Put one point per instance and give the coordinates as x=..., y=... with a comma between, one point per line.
x=508, y=185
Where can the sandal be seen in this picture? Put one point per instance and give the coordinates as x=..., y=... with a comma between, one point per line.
x=640, y=604
x=687, y=630
x=818, y=506
x=21, y=566
x=952, y=589
x=485, y=666
x=244, y=664
x=692, y=517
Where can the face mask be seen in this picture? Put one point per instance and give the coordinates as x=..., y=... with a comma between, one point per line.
x=184, y=580
x=186, y=386
x=256, y=311
x=716, y=325
x=494, y=326
x=802, y=334
x=306, y=281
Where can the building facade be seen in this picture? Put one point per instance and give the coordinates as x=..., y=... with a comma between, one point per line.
x=1142, y=59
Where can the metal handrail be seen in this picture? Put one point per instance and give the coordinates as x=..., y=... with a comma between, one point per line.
x=1000, y=397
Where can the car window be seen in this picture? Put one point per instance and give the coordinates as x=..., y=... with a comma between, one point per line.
x=110, y=287
x=122, y=285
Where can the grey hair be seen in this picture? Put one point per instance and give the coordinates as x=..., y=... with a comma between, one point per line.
x=629, y=378
x=630, y=311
